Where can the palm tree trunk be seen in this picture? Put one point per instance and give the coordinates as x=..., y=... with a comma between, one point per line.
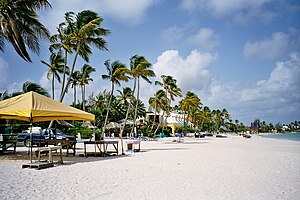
x=133, y=91
x=168, y=109
x=74, y=98
x=53, y=86
x=159, y=124
x=64, y=75
x=136, y=106
x=123, y=127
x=82, y=97
x=71, y=73
x=154, y=117
x=69, y=80
x=107, y=112
x=83, y=101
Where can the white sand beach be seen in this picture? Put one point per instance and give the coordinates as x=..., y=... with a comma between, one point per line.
x=204, y=168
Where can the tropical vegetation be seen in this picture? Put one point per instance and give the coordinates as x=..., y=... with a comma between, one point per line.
x=20, y=27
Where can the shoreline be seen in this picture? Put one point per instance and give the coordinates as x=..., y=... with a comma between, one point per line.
x=204, y=168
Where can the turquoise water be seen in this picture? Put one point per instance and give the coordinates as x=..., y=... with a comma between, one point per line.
x=287, y=136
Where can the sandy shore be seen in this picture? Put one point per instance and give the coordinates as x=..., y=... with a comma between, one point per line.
x=208, y=168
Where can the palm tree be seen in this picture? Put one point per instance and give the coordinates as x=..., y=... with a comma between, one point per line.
x=28, y=87
x=56, y=67
x=83, y=30
x=170, y=86
x=84, y=79
x=127, y=97
x=189, y=103
x=98, y=106
x=207, y=118
x=116, y=73
x=139, y=67
x=4, y=95
x=19, y=25
x=74, y=81
x=61, y=41
x=157, y=103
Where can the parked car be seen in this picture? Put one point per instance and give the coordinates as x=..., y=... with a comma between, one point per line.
x=208, y=134
x=221, y=136
x=43, y=134
x=199, y=135
x=178, y=135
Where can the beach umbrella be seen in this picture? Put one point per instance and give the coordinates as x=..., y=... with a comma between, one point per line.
x=122, y=122
x=112, y=125
x=89, y=125
x=33, y=107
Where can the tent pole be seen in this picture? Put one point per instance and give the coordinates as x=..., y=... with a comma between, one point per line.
x=30, y=140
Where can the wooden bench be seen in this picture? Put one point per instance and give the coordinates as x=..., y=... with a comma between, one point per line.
x=49, y=151
x=7, y=141
x=69, y=144
x=133, y=145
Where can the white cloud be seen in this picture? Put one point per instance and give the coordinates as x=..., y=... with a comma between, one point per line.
x=126, y=11
x=275, y=98
x=205, y=38
x=191, y=72
x=269, y=48
x=131, y=11
x=4, y=73
x=172, y=35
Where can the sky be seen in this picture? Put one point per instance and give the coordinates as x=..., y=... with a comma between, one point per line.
x=237, y=54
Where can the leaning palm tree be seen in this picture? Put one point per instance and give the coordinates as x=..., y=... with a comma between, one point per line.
x=127, y=97
x=157, y=102
x=19, y=25
x=169, y=84
x=84, y=30
x=139, y=68
x=84, y=80
x=56, y=67
x=62, y=42
x=116, y=73
x=78, y=33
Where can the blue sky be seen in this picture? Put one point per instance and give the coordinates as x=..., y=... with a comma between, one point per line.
x=237, y=54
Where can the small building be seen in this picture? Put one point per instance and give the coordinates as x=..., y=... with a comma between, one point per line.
x=173, y=121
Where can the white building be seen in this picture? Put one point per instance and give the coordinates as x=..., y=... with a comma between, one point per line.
x=172, y=121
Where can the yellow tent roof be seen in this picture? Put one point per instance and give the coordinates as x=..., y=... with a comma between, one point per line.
x=34, y=107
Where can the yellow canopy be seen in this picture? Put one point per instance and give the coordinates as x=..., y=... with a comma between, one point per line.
x=33, y=107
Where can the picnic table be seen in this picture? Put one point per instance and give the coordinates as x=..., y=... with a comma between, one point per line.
x=7, y=141
x=68, y=144
x=101, y=147
x=49, y=163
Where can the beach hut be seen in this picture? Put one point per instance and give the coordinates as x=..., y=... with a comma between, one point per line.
x=33, y=107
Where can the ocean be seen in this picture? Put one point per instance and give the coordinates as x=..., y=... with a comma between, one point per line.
x=283, y=136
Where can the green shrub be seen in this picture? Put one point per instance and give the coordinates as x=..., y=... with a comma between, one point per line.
x=85, y=132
